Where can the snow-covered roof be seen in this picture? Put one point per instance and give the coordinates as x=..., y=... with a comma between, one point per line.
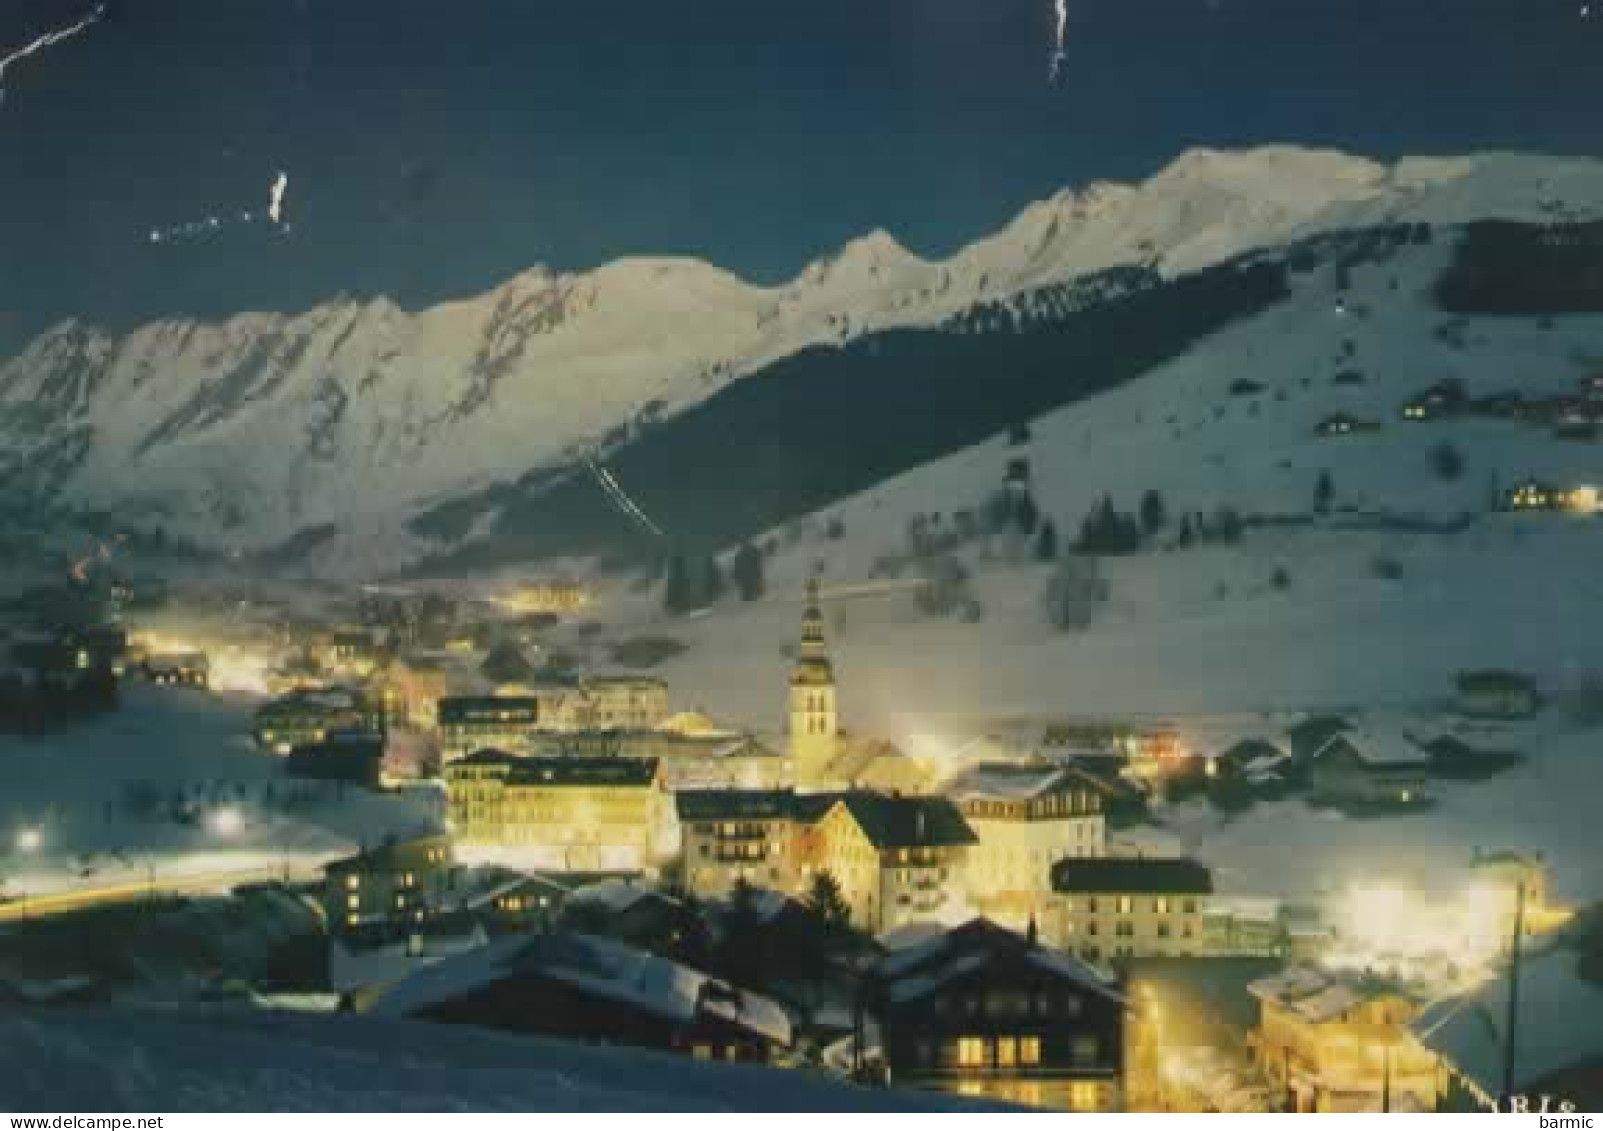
x=598, y=966
x=1315, y=995
x=993, y=781
x=1375, y=748
x=921, y=967
x=1560, y=1023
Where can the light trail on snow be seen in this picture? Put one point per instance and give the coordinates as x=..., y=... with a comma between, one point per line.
x=46, y=41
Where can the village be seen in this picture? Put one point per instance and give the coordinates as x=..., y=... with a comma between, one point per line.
x=1004, y=917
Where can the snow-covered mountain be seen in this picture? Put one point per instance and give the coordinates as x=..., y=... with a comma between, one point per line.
x=245, y=432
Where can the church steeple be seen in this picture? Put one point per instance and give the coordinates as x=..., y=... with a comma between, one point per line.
x=814, y=723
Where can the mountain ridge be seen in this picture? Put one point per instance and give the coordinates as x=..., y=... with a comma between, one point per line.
x=243, y=432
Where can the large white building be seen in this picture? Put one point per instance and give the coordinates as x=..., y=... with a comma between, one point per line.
x=1027, y=818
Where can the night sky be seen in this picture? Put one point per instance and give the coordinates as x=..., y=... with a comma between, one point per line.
x=435, y=148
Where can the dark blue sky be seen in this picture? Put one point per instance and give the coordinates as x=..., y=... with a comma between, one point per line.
x=437, y=147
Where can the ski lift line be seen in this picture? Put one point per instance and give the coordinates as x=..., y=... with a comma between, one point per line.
x=623, y=502
x=623, y=495
x=620, y=498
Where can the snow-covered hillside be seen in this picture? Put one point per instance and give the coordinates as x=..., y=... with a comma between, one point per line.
x=242, y=433
x=124, y=1060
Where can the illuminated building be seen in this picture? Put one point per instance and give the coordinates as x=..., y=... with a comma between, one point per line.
x=305, y=718
x=814, y=717
x=566, y=813
x=490, y=722
x=897, y=860
x=729, y=836
x=1341, y=1043
x=179, y=669
x=622, y=702
x=983, y=1011
x=1355, y=768
x=1533, y=495
x=388, y=889
x=1026, y=818
x=1113, y=908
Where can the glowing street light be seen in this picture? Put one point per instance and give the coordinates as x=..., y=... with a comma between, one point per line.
x=30, y=839
x=227, y=822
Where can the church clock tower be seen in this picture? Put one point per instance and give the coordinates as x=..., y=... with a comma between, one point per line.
x=814, y=723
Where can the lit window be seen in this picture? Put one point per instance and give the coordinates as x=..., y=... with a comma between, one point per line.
x=1029, y=1050
x=972, y=1052
x=1161, y=906
x=352, y=902
x=1125, y=904
x=353, y=882
x=1007, y=1052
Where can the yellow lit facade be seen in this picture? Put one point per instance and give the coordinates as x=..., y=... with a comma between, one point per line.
x=565, y=814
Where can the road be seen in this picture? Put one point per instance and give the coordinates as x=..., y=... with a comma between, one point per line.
x=200, y=883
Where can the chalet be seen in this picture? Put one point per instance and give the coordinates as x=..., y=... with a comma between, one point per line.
x=178, y=669
x=1305, y=737
x=734, y=836
x=516, y=903
x=1445, y=398
x=491, y=722
x=982, y=1011
x=630, y=913
x=355, y=758
x=897, y=859
x=363, y=964
x=305, y=718
x=1257, y=762
x=582, y=988
x=1113, y=908
x=388, y=890
x=1341, y=1043
x=1362, y=769
x=1497, y=694
x=1026, y=818
x=1344, y=424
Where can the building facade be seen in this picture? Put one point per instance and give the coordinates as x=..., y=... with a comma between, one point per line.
x=622, y=702
x=387, y=890
x=1111, y=908
x=1026, y=819
x=982, y=1011
x=897, y=860
x=468, y=724
x=734, y=836
x=1335, y=1043
x=563, y=814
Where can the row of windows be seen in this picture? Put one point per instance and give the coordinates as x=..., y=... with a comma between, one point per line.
x=1011, y=1052
x=1003, y=1052
x=1126, y=905
x=1125, y=929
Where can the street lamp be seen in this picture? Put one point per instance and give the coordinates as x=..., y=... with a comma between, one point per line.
x=226, y=822
x=30, y=839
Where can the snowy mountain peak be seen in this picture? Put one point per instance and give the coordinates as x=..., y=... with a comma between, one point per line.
x=359, y=406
